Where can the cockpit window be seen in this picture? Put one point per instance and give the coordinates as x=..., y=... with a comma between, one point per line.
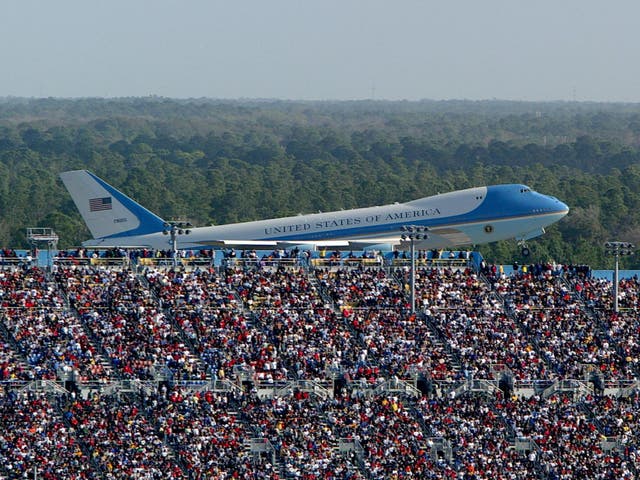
x=525, y=190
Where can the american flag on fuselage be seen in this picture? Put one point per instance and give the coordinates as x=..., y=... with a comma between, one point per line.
x=99, y=204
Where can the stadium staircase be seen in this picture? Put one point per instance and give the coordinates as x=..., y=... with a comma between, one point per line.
x=61, y=410
x=438, y=339
x=7, y=338
x=103, y=357
x=608, y=443
x=509, y=310
x=593, y=375
x=168, y=312
x=263, y=452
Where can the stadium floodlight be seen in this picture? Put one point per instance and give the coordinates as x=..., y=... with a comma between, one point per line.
x=176, y=228
x=413, y=233
x=617, y=250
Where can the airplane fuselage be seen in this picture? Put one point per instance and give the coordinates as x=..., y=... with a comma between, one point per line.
x=465, y=217
x=473, y=216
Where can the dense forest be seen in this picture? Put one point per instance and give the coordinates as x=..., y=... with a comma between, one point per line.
x=214, y=161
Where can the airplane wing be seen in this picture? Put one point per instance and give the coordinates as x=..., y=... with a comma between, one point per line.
x=447, y=236
x=437, y=238
x=240, y=244
x=347, y=244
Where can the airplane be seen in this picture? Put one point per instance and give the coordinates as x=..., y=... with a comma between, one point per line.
x=465, y=217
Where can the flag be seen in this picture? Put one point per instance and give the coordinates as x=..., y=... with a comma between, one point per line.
x=99, y=204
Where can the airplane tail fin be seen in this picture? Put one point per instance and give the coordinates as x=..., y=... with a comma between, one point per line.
x=107, y=211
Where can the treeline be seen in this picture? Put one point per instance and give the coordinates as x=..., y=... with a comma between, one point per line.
x=218, y=162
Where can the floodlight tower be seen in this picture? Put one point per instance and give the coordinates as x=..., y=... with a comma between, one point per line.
x=617, y=249
x=413, y=233
x=37, y=235
x=174, y=229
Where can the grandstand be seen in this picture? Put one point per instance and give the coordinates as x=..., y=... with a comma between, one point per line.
x=119, y=365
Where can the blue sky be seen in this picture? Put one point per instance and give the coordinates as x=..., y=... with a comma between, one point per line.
x=321, y=50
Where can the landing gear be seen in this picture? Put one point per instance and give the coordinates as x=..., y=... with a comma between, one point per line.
x=524, y=250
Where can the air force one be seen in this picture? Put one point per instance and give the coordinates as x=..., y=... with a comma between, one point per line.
x=466, y=217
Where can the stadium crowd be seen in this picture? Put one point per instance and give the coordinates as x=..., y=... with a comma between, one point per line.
x=181, y=334
x=127, y=321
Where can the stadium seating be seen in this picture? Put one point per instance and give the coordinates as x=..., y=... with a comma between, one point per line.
x=270, y=370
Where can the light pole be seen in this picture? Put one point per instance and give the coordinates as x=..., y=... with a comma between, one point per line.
x=174, y=229
x=413, y=233
x=617, y=249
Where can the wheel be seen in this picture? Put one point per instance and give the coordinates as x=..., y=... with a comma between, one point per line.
x=525, y=252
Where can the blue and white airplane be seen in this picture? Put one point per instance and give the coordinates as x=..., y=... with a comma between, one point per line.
x=466, y=217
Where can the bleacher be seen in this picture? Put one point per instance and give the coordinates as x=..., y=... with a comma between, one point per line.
x=281, y=367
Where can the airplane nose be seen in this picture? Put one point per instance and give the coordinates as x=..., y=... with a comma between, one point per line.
x=559, y=206
x=564, y=207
